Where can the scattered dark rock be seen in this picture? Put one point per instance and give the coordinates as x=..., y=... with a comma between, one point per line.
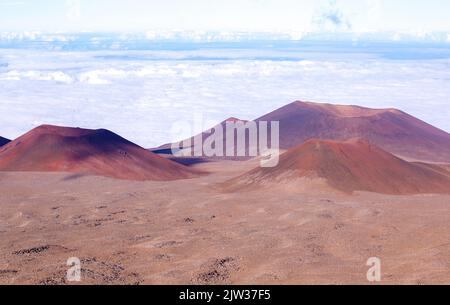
x=162, y=257
x=140, y=237
x=8, y=272
x=38, y=250
x=217, y=272
x=30, y=251
x=119, y=212
x=97, y=271
x=316, y=250
x=53, y=280
x=189, y=220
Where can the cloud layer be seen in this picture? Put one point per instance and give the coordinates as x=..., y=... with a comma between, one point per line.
x=142, y=94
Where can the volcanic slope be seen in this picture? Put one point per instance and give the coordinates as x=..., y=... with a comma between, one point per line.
x=354, y=165
x=100, y=152
x=392, y=130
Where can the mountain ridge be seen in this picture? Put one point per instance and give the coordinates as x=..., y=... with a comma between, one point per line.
x=100, y=152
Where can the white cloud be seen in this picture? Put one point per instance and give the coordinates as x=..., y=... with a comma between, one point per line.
x=93, y=78
x=330, y=23
x=140, y=99
x=56, y=76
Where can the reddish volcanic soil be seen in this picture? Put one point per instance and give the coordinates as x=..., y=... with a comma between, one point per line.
x=4, y=141
x=99, y=152
x=390, y=129
x=351, y=166
x=190, y=232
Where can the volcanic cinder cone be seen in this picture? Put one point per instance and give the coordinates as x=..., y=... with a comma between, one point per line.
x=349, y=166
x=189, y=146
x=4, y=141
x=99, y=152
x=391, y=129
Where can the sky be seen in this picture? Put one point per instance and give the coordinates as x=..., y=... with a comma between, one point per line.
x=229, y=15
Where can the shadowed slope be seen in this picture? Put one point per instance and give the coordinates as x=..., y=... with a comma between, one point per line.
x=390, y=129
x=4, y=141
x=99, y=152
x=350, y=166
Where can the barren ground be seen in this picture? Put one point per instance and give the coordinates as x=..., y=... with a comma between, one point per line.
x=190, y=232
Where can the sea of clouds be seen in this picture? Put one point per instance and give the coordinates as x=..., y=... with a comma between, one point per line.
x=142, y=94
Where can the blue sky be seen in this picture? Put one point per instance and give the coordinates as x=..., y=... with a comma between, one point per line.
x=248, y=15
